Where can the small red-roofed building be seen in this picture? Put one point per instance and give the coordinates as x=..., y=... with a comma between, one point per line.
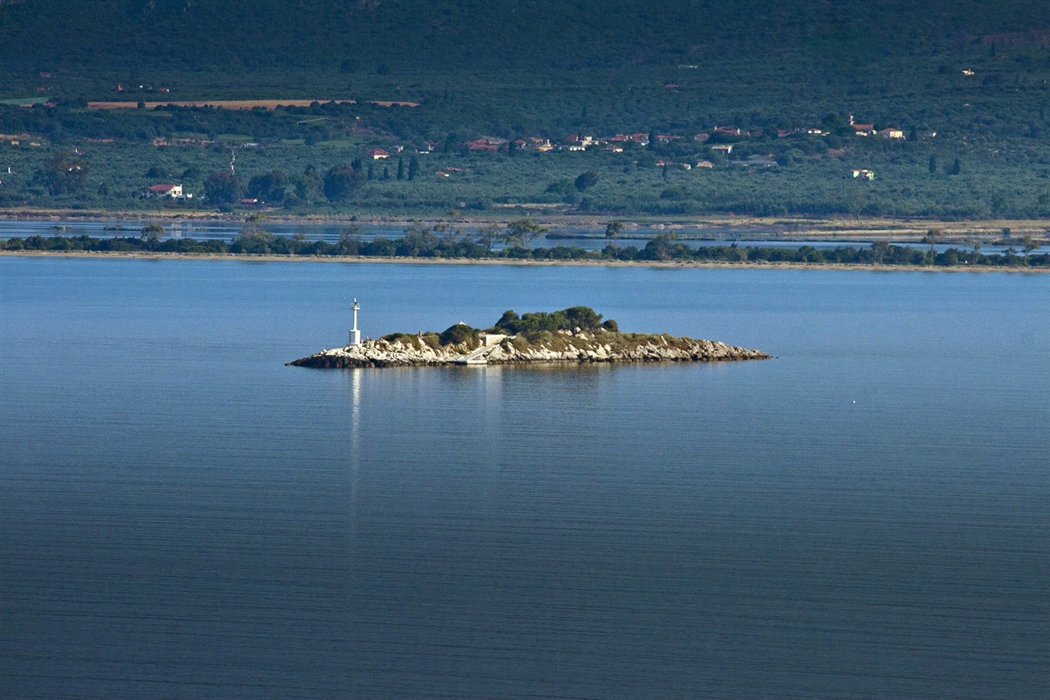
x=173, y=191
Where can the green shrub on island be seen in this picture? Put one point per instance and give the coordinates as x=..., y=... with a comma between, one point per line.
x=459, y=334
x=571, y=319
x=551, y=330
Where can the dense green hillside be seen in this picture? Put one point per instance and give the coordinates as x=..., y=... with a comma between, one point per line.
x=393, y=34
x=966, y=83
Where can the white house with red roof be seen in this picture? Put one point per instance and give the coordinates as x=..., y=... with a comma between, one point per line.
x=173, y=191
x=861, y=129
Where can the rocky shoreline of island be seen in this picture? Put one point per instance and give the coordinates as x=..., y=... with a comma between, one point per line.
x=574, y=335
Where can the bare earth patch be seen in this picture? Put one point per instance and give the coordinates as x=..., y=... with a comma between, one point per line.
x=240, y=104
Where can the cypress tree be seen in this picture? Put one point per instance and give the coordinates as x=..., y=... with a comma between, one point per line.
x=400, y=169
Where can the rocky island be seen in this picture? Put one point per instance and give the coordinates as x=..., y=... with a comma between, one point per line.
x=576, y=334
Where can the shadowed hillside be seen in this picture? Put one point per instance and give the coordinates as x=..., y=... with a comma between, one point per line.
x=393, y=34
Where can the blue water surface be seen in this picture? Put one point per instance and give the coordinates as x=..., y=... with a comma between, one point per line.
x=867, y=515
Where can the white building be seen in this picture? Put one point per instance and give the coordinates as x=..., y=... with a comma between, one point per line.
x=173, y=191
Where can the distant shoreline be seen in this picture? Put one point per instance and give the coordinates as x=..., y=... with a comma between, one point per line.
x=668, y=264
x=777, y=228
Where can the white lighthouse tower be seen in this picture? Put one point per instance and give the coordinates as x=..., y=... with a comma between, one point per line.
x=355, y=334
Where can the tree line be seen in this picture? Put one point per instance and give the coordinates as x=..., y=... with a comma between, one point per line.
x=510, y=243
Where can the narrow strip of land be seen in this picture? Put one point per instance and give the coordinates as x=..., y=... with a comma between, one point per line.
x=407, y=260
x=846, y=230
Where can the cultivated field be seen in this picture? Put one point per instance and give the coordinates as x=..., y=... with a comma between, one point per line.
x=240, y=104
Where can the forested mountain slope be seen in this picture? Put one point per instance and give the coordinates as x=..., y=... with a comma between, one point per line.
x=398, y=34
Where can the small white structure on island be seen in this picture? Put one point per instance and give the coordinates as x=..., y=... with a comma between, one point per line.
x=355, y=334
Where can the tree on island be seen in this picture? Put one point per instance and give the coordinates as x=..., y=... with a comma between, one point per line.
x=879, y=250
x=575, y=317
x=349, y=240
x=253, y=239
x=1028, y=244
x=520, y=233
x=152, y=234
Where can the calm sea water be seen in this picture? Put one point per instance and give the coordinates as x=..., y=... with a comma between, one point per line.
x=868, y=515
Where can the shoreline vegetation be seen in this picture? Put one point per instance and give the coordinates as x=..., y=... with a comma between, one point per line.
x=783, y=228
x=576, y=334
x=512, y=244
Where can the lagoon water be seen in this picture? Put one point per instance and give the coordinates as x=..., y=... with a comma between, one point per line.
x=868, y=515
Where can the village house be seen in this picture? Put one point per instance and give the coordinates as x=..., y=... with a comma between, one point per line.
x=484, y=144
x=377, y=154
x=891, y=133
x=863, y=174
x=580, y=142
x=725, y=148
x=173, y=191
x=861, y=129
